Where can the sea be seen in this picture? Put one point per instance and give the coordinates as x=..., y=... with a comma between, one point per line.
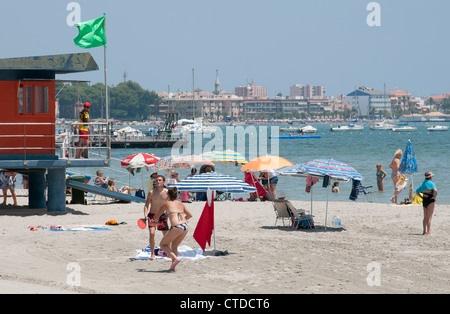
x=360, y=149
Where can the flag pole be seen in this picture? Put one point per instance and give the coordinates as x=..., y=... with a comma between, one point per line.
x=108, y=131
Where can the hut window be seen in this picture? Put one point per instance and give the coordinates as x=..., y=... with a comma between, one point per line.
x=33, y=99
x=28, y=99
x=41, y=99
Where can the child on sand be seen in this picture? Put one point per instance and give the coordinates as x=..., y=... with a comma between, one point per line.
x=380, y=176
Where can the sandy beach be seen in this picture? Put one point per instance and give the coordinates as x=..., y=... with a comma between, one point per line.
x=262, y=258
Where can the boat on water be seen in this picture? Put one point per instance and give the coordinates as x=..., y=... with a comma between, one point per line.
x=382, y=126
x=345, y=128
x=438, y=128
x=186, y=126
x=290, y=129
x=404, y=129
x=293, y=137
x=308, y=129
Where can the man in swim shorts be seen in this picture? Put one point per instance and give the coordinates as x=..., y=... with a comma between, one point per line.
x=155, y=199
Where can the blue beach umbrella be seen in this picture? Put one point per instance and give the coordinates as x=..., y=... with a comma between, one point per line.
x=323, y=167
x=409, y=165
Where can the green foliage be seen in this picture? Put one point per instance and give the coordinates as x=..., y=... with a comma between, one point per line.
x=128, y=101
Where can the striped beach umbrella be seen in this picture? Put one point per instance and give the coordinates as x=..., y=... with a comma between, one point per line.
x=321, y=168
x=225, y=156
x=215, y=182
x=334, y=169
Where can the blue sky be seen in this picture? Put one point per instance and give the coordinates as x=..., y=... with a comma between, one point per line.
x=272, y=43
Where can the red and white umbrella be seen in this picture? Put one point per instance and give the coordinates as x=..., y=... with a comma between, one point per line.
x=138, y=161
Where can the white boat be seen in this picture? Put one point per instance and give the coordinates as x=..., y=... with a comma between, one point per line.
x=404, y=129
x=438, y=128
x=345, y=128
x=290, y=129
x=308, y=129
x=128, y=133
x=186, y=126
x=382, y=126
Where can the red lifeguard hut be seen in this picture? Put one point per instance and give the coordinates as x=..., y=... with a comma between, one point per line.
x=28, y=124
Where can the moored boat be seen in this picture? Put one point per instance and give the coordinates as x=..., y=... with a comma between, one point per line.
x=438, y=128
x=404, y=129
x=344, y=128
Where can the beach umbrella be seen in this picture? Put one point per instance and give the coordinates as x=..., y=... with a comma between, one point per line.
x=266, y=163
x=172, y=162
x=322, y=168
x=334, y=169
x=408, y=165
x=215, y=182
x=208, y=182
x=225, y=156
x=138, y=161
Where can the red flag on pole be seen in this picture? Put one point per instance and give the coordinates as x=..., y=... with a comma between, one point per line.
x=205, y=226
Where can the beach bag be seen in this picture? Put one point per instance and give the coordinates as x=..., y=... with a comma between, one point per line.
x=401, y=183
x=140, y=193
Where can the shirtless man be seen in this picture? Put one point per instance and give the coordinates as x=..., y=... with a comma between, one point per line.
x=155, y=199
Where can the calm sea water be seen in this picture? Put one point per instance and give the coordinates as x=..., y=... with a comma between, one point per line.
x=360, y=149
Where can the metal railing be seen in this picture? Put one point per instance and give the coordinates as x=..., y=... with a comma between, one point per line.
x=66, y=138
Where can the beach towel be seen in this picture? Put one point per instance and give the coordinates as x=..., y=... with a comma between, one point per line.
x=205, y=226
x=310, y=181
x=185, y=252
x=71, y=228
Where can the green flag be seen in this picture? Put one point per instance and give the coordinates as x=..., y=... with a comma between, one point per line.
x=92, y=33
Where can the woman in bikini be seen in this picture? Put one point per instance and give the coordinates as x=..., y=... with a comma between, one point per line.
x=395, y=176
x=429, y=198
x=381, y=174
x=178, y=215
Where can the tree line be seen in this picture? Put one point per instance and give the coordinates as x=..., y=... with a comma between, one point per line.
x=128, y=100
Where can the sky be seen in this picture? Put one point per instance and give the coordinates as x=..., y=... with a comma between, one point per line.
x=271, y=43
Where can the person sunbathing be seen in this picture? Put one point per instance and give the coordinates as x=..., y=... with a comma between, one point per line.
x=124, y=190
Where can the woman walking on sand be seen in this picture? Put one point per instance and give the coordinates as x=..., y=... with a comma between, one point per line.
x=395, y=176
x=178, y=215
x=428, y=188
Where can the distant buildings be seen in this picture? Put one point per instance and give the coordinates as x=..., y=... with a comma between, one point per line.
x=307, y=91
x=368, y=101
x=251, y=91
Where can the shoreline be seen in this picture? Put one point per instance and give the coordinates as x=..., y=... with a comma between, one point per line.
x=262, y=259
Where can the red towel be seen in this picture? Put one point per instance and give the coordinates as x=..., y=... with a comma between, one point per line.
x=205, y=226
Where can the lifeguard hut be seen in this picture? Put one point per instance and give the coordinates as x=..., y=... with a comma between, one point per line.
x=28, y=124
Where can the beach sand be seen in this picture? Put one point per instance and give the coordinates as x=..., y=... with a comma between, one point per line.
x=262, y=258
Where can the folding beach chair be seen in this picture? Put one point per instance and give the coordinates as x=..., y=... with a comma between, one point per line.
x=281, y=211
x=261, y=192
x=365, y=190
